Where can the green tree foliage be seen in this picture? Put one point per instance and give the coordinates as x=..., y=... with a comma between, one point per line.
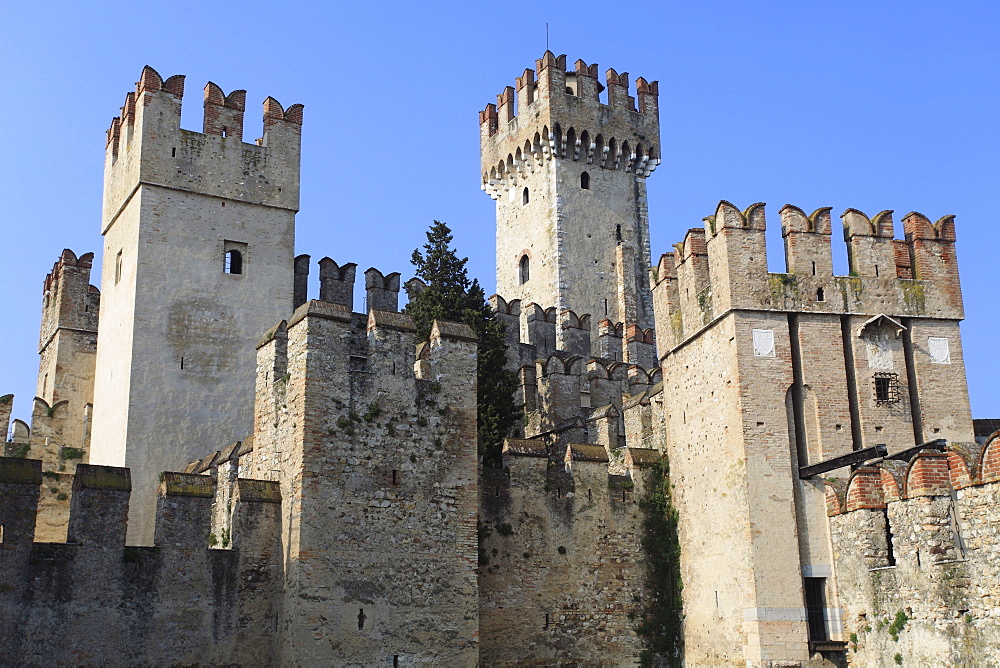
x=450, y=295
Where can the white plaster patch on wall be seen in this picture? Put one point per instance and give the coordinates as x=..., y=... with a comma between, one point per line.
x=879, y=351
x=763, y=343
x=939, y=350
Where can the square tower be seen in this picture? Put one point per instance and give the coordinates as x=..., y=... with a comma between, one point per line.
x=199, y=233
x=568, y=173
x=767, y=373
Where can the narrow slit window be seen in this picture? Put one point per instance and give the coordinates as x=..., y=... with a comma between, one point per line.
x=890, y=555
x=118, y=267
x=618, y=233
x=814, y=268
x=525, y=196
x=585, y=181
x=173, y=152
x=524, y=269
x=816, y=608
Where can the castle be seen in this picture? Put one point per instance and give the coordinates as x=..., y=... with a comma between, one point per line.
x=220, y=469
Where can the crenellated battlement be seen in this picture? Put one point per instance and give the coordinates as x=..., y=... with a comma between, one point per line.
x=560, y=114
x=558, y=509
x=199, y=598
x=68, y=299
x=724, y=267
x=145, y=143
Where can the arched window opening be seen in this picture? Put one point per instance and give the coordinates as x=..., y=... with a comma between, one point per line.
x=524, y=196
x=820, y=297
x=585, y=181
x=234, y=262
x=524, y=270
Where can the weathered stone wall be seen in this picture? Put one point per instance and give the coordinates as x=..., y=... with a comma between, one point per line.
x=176, y=202
x=379, y=469
x=561, y=570
x=94, y=600
x=916, y=550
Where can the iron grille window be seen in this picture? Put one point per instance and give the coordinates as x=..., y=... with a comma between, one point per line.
x=886, y=388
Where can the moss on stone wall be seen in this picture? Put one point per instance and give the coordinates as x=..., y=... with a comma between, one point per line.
x=660, y=619
x=913, y=296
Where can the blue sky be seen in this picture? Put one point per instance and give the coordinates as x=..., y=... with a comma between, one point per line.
x=847, y=104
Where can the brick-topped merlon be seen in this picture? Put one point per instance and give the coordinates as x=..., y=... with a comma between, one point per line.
x=724, y=266
x=146, y=144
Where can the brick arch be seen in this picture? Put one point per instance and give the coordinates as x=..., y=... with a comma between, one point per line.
x=864, y=489
x=962, y=467
x=836, y=493
x=989, y=461
x=928, y=475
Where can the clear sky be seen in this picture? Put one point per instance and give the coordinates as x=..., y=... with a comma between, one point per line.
x=871, y=105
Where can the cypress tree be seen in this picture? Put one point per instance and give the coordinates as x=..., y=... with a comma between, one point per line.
x=450, y=295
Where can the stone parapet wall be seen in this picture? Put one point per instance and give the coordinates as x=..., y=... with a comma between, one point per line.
x=917, y=556
x=560, y=563
x=93, y=599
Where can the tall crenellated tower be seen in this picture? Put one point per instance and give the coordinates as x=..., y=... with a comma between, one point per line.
x=568, y=173
x=198, y=262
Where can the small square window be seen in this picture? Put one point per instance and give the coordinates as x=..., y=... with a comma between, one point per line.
x=886, y=388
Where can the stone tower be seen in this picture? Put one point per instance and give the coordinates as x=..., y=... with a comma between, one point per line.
x=198, y=263
x=68, y=342
x=568, y=171
x=767, y=373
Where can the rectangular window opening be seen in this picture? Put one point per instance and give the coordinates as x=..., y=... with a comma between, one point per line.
x=886, y=388
x=234, y=257
x=816, y=608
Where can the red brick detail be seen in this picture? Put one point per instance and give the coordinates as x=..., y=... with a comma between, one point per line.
x=989, y=467
x=833, y=506
x=928, y=475
x=959, y=470
x=865, y=489
x=890, y=487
